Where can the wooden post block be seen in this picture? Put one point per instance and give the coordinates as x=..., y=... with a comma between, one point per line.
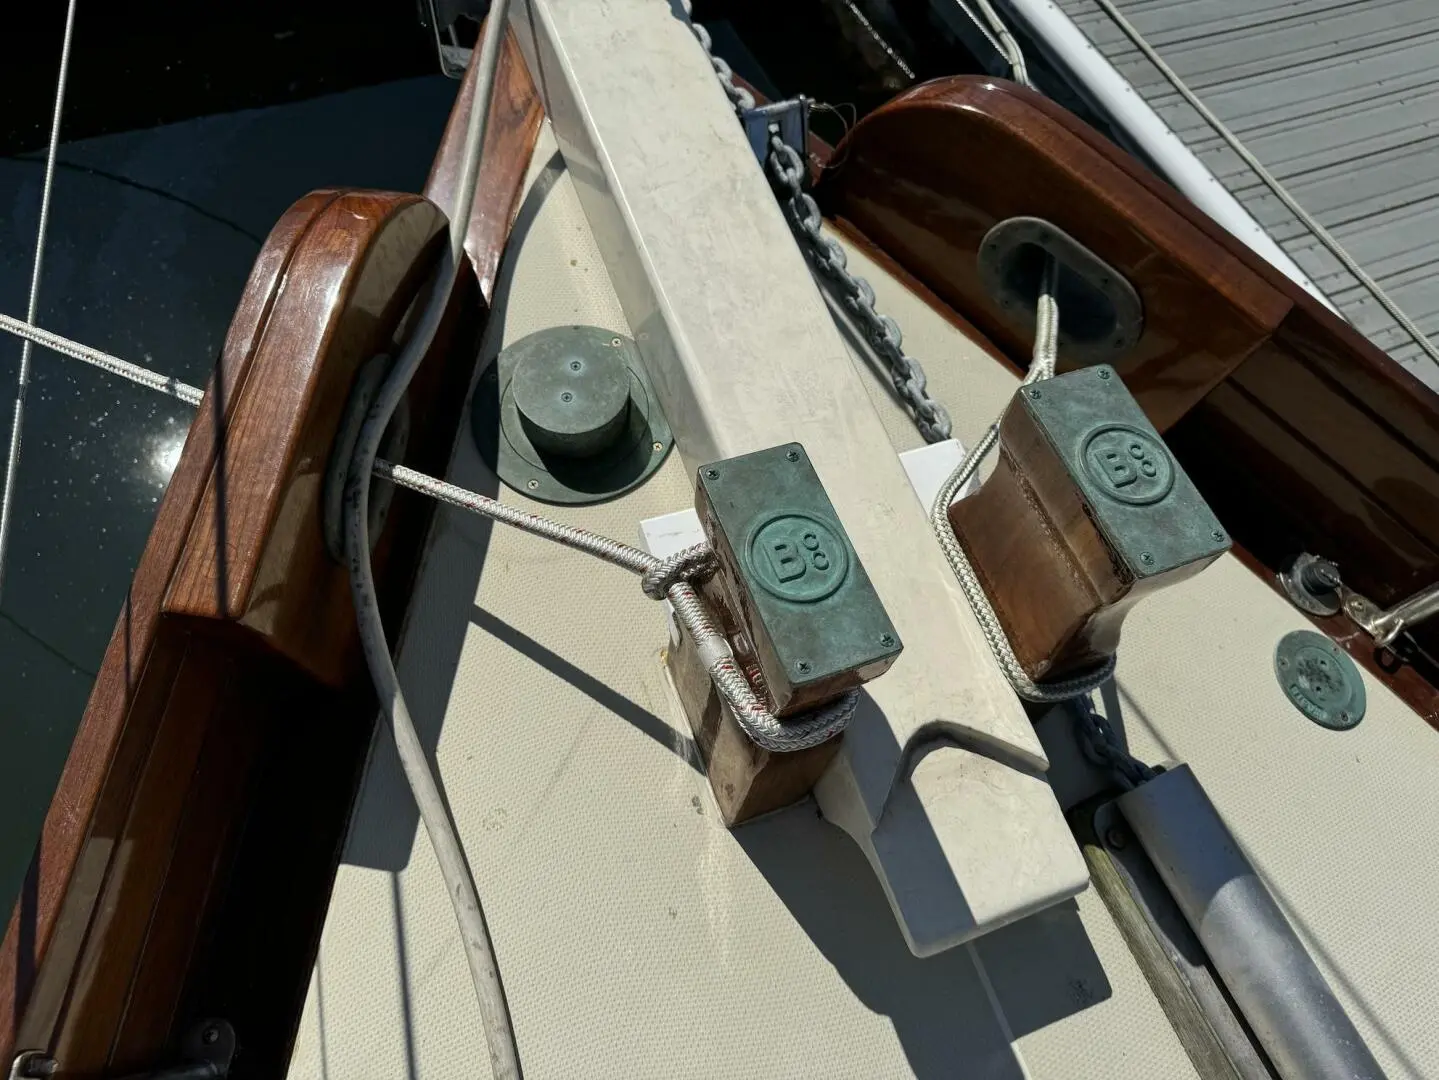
x=1085, y=513
x=747, y=780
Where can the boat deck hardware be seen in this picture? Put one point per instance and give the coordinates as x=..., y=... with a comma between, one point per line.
x=790, y=118
x=1315, y=585
x=207, y=1052
x=1384, y=625
x=1085, y=513
x=1320, y=679
x=1209, y=1026
x=1312, y=584
x=441, y=16
x=1103, y=315
x=32, y=1065
x=568, y=415
x=1270, y=975
x=791, y=580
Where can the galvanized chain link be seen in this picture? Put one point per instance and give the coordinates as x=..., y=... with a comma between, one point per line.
x=739, y=97
x=786, y=172
x=785, y=167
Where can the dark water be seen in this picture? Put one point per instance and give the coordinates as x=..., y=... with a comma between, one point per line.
x=152, y=235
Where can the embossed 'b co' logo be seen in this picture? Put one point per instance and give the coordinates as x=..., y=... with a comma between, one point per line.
x=797, y=558
x=1129, y=465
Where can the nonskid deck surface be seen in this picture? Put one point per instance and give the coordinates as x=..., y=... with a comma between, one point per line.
x=638, y=937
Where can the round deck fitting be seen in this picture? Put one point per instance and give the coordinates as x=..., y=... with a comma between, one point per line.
x=1312, y=584
x=567, y=415
x=1320, y=679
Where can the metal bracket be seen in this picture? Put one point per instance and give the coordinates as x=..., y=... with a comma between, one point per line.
x=1314, y=585
x=32, y=1065
x=790, y=118
x=1103, y=315
x=1386, y=625
x=206, y=1053
x=454, y=58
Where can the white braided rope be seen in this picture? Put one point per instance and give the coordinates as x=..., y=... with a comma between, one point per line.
x=1007, y=45
x=1046, y=331
x=658, y=576
x=670, y=578
x=152, y=380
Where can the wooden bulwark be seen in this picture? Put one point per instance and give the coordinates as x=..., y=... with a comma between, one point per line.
x=235, y=663
x=1299, y=432
x=928, y=175
x=182, y=661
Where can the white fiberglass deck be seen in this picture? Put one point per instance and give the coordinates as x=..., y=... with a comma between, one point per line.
x=639, y=938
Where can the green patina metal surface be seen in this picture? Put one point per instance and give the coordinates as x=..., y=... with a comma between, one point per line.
x=567, y=415
x=809, y=591
x=1143, y=502
x=1320, y=679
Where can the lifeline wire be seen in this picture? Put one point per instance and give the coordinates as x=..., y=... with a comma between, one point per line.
x=22, y=382
x=1271, y=182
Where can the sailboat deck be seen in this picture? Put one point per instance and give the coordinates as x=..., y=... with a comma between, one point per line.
x=1340, y=101
x=638, y=937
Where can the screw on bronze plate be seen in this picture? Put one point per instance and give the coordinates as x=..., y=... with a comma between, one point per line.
x=1146, y=558
x=802, y=667
x=711, y=474
x=1217, y=535
x=886, y=640
x=657, y=447
x=210, y=1036
x=1104, y=373
x=615, y=342
x=1034, y=393
x=575, y=365
x=533, y=485
x=791, y=455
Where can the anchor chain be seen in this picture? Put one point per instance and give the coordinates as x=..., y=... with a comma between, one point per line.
x=785, y=168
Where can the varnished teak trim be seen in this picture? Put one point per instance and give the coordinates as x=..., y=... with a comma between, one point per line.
x=1301, y=434
x=223, y=638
